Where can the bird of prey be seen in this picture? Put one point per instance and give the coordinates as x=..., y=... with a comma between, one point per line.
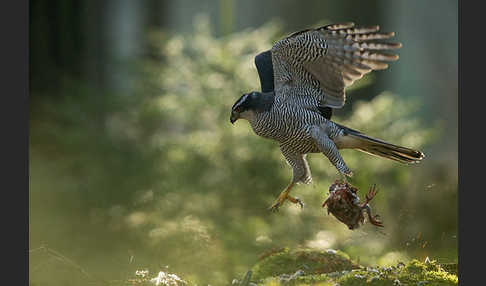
x=303, y=78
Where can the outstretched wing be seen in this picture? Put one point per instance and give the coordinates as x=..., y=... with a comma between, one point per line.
x=322, y=62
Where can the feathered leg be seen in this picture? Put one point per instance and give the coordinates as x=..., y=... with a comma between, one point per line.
x=329, y=149
x=300, y=173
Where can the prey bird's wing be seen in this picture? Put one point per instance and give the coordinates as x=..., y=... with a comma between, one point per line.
x=322, y=62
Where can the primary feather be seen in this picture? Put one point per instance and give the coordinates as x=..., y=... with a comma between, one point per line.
x=325, y=60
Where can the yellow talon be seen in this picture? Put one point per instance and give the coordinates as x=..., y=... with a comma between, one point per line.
x=279, y=201
x=284, y=195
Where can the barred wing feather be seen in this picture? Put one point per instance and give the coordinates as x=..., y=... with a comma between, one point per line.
x=322, y=62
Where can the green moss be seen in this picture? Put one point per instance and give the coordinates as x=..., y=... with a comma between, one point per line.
x=310, y=261
x=414, y=273
x=450, y=267
x=323, y=268
x=315, y=280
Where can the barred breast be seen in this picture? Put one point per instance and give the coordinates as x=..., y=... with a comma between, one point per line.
x=289, y=125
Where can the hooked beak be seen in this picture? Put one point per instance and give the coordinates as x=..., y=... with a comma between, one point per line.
x=234, y=117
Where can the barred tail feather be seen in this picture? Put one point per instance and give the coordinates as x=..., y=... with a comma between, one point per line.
x=357, y=140
x=397, y=153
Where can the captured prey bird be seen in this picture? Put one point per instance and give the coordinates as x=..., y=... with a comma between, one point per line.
x=303, y=78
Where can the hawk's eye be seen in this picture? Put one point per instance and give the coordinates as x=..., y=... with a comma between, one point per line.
x=238, y=109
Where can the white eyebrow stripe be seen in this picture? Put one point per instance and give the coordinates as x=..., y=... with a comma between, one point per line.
x=240, y=101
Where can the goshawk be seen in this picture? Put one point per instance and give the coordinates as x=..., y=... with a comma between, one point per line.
x=303, y=78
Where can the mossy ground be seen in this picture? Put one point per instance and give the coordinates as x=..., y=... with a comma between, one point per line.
x=309, y=267
x=285, y=261
x=324, y=268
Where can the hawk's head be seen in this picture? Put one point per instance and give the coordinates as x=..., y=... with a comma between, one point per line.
x=245, y=105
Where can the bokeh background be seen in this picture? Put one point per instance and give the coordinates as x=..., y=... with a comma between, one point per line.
x=134, y=164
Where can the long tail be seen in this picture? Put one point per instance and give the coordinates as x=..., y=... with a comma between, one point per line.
x=357, y=140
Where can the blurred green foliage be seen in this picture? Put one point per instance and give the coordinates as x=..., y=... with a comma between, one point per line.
x=159, y=177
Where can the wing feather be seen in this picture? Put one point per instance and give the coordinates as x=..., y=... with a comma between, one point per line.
x=328, y=59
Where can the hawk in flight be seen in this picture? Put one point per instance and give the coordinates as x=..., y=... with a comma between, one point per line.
x=303, y=78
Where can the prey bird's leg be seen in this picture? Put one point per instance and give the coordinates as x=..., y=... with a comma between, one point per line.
x=370, y=195
x=374, y=220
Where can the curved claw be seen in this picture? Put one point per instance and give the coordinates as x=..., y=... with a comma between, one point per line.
x=300, y=202
x=274, y=207
x=346, y=176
